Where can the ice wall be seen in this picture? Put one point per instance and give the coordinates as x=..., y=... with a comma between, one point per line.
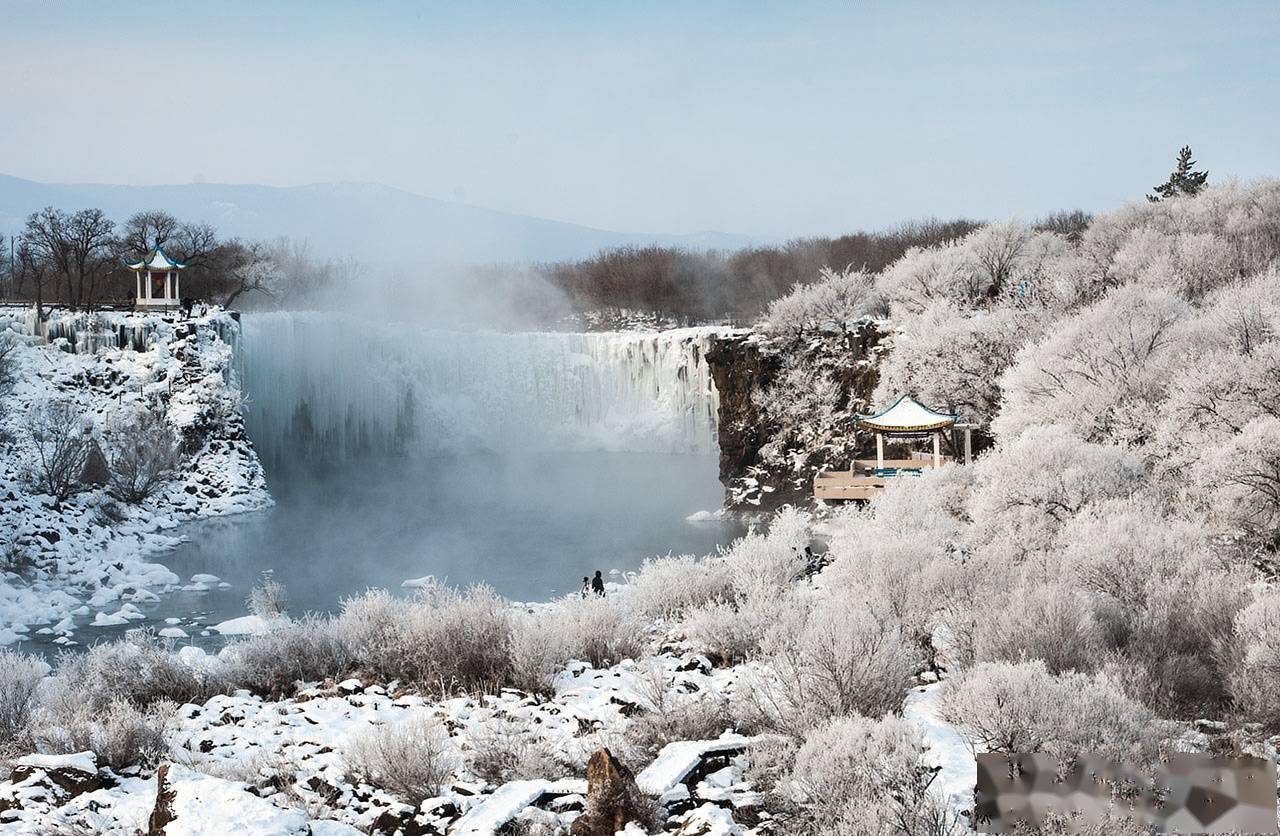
x=328, y=385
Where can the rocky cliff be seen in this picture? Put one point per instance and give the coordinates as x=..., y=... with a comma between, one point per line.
x=788, y=409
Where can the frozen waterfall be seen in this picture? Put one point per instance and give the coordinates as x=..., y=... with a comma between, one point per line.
x=330, y=385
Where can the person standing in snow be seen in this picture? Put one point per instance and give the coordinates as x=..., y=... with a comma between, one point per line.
x=586, y=586
x=597, y=584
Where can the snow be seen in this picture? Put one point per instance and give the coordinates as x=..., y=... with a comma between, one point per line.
x=418, y=583
x=206, y=806
x=205, y=579
x=80, y=761
x=173, y=633
x=249, y=625
x=678, y=759
x=947, y=748
x=706, y=516
x=485, y=818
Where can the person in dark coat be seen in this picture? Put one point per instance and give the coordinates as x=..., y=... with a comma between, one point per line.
x=597, y=584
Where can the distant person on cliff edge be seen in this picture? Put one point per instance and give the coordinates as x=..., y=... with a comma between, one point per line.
x=597, y=584
x=586, y=586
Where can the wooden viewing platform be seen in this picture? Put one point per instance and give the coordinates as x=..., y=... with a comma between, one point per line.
x=864, y=480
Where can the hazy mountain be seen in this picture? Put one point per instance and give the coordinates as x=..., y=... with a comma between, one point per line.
x=367, y=221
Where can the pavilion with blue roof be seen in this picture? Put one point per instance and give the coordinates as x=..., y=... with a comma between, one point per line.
x=156, y=277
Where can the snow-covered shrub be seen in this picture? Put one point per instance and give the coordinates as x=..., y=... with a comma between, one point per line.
x=1021, y=707
x=504, y=750
x=268, y=599
x=438, y=638
x=1255, y=672
x=732, y=632
x=119, y=732
x=592, y=629
x=1114, y=823
x=138, y=670
x=668, y=587
x=60, y=446
x=411, y=759
x=310, y=649
x=141, y=451
x=1046, y=622
x=20, y=677
x=865, y=776
x=1101, y=373
x=833, y=659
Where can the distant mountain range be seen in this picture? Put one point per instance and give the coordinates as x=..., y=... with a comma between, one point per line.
x=367, y=221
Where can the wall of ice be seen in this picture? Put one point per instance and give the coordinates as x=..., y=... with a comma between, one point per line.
x=324, y=385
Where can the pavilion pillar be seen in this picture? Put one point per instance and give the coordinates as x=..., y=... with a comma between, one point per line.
x=937, y=448
x=968, y=445
x=879, y=451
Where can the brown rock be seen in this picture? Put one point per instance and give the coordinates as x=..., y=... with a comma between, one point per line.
x=613, y=799
x=68, y=783
x=163, y=813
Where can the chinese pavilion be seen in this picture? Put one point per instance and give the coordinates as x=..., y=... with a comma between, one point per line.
x=157, y=281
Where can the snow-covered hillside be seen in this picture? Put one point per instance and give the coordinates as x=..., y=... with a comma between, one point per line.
x=85, y=558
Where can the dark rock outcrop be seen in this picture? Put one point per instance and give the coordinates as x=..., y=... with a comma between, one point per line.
x=162, y=813
x=743, y=363
x=613, y=799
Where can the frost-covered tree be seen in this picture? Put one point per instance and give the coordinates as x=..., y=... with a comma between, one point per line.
x=1103, y=372
x=1184, y=181
x=952, y=358
x=60, y=444
x=1246, y=473
x=1028, y=488
x=141, y=451
x=1255, y=669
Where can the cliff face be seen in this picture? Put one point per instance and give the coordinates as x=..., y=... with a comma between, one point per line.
x=768, y=456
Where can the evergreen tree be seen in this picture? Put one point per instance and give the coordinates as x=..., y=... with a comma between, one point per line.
x=1183, y=180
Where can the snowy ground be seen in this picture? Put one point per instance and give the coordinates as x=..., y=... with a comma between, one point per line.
x=281, y=767
x=86, y=561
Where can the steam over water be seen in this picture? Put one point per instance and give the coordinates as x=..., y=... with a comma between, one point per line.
x=524, y=461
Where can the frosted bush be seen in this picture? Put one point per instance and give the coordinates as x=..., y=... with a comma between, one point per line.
x=20, y=677
x=1255, y=666
x=268, y=599
x=592, y=629
x=138, y=670
x=411, y=759
x=1050, y=623
x=837, y=302
x=1021, y=707
x=60, y=446
x=504, y=750
x=833, y=659
x=120, y=733
x=865, y=776
x=310, y=649
x=668, y=587
x=439, y=638
x=733, y=632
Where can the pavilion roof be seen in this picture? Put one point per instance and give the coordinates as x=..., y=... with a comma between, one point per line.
x=906, y=415
x=156, y=260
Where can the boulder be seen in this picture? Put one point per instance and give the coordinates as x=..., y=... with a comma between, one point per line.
x=613, y=799
x=71, y=775
x=162, y=813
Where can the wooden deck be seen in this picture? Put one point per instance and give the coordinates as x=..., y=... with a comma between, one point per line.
x=861, y=482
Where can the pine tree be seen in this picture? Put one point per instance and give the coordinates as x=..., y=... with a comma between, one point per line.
x=1183, y=180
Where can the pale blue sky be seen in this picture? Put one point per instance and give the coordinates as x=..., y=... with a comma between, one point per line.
x=772, y=119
